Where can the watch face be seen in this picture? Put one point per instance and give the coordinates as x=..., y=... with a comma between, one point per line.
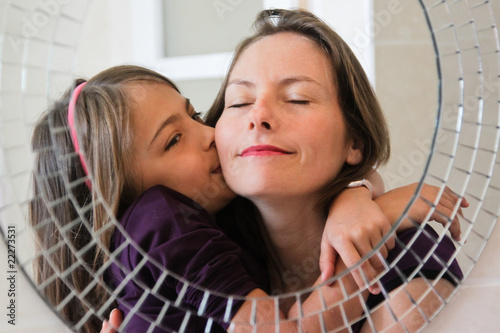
x=357, y=183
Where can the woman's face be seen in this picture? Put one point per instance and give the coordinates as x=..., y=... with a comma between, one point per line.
x=172, y=147
x=282, y=132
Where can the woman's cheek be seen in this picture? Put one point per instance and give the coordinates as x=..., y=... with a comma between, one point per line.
x=223, y=135
x=227, y=165
x=222, y=142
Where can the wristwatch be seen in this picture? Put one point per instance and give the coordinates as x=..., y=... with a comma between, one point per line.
x=362, y=182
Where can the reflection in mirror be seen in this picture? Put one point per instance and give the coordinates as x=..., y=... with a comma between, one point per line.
x=394, y=46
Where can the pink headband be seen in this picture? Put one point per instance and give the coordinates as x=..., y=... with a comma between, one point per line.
x=72, y=128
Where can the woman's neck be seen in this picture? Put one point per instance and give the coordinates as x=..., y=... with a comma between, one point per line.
x=294, y=228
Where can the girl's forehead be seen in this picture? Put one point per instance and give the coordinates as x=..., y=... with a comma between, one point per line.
x=148, y=94
x=138, y=91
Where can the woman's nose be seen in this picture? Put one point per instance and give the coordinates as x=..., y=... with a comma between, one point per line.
x=261, y=117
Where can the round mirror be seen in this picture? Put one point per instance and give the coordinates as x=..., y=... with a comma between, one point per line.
x=435, y=67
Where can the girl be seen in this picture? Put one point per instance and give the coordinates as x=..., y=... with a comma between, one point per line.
x=155, y=168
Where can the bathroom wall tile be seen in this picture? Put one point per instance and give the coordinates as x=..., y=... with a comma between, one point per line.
x=399, y=20
x=407, y=88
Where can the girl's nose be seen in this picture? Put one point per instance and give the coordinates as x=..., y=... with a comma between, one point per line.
x=207, y=136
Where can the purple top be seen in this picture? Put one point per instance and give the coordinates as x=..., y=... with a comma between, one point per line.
x=181, y=237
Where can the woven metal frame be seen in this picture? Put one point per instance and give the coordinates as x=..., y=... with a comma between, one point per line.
x=465, y=37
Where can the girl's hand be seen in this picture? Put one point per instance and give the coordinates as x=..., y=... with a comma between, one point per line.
x=355, y=226
x=447, y=209
x=115, y=320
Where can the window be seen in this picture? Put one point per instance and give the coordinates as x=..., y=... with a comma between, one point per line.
x=191, y=41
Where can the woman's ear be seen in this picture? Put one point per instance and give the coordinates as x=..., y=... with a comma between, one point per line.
x=354, y=151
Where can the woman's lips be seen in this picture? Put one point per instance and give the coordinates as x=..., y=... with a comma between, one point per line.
x=263, y=150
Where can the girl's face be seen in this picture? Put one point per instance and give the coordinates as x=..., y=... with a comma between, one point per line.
x=172, y=147
x=282, y=131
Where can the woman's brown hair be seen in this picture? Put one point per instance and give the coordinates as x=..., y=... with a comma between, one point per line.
x=72, y=222
x=363, y=116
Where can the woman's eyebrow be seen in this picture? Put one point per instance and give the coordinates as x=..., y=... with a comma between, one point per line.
x=283, y=82
x=297, y=79
x=241, y=82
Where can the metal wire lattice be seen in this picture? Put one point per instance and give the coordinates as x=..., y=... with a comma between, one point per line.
x=35, y=58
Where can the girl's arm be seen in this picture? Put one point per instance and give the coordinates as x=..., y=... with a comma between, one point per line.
x=447, y=209
x=355, y=225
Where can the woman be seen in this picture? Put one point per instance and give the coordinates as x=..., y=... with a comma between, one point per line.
x=296, y=105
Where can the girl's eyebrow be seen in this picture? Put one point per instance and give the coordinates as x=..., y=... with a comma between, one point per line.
x=170, y=120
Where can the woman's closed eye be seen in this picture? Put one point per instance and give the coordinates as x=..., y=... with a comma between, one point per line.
x=239, y=105
x=172, y=142
x=293, y=101
x=299, y=102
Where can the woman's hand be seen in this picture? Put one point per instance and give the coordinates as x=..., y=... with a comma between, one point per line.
x=355, y=226
x=447, y=209
x=115, y=320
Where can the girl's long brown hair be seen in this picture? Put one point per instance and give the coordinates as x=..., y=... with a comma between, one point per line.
x=73, y=224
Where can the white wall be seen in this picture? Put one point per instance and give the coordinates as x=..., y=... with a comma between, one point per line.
x=352, y=20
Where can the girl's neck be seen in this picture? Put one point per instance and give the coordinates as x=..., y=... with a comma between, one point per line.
x=294, y=228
